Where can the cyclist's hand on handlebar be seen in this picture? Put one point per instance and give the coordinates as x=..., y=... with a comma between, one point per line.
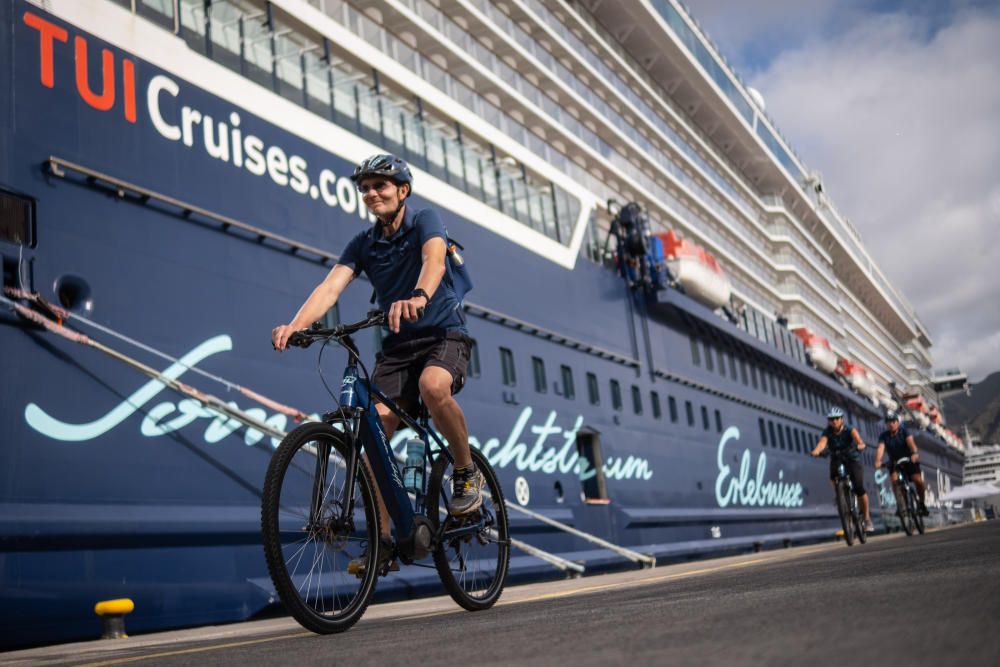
x=409, y=310
x=914, y=458
x=280, y=336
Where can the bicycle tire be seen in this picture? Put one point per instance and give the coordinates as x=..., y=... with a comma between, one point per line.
x=473, y=589
x=325, y=600
x=859, y=523
x=843, y=508
x=918, y=519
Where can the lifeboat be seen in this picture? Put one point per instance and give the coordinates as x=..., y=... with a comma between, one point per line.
x=821, y=355
x=696, y=270
x=935, y=415
x=856, y=376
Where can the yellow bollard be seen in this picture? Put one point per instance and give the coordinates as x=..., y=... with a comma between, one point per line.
x=112, y=613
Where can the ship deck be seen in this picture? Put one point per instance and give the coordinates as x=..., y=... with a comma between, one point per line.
x=789, y=606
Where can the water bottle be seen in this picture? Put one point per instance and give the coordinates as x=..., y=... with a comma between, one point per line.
x=413, y=468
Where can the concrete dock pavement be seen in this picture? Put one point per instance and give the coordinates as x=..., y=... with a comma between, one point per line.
x=924, y=600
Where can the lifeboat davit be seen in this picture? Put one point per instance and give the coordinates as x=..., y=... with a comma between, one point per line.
x=856, y=376
x=696, y=270
x=818, y=348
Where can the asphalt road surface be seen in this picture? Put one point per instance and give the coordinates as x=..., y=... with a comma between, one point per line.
x=925, y=600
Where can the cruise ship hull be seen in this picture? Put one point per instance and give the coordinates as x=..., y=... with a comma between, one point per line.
x=116, y=486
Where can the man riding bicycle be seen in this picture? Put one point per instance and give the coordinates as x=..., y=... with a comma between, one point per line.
x=846, y=442
x=897, y=441
x=427, y=351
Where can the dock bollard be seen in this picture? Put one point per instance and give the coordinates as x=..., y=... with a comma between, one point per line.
x=112, y=613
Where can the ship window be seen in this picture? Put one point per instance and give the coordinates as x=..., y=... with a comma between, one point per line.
x=743, y=372
x=732, y=365
x=508, y=374
x=774, y=389
x=718, y=421
x=795, y=394
x=788, y=437
x=616, y=395
x=158, y=11
x=636, y=400
x=781, y=438
x=591, y=467
x=538, y=369
x=593, y=392
x=17, y=219
x=722, y=363
x=763, y=433
x=770, y=431
x=672, y=406
x=377, y=333
x=798, y=441
x=709, y=359
x=781, y=388
x=695, y=353
x=569, y=391
x=753, y=375
x=475, y=368
x=654, y=400
x=690, y=412
x=704, y=417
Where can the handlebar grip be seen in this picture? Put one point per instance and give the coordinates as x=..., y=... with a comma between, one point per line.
x=299, y=339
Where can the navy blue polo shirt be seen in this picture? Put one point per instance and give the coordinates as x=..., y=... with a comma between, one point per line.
x=843, y=442
x=895, y=445
x=393, y=266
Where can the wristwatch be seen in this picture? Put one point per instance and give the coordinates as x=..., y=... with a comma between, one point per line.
x=420, y=292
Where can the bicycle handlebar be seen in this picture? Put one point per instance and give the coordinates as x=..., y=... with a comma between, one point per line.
x=305, y=337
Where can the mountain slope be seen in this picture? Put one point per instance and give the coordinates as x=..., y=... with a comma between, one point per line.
x=980, y=411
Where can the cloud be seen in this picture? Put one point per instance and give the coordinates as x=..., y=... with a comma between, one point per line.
x=900, y=112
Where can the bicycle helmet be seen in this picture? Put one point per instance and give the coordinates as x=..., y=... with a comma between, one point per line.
x=835, y=413
x=387, y=166
x=891, y=417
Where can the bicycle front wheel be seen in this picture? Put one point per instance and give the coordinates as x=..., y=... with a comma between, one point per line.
x=918, y=518
x=312, y=530
x=474, y=553
x=859, y=523
x=844, y=509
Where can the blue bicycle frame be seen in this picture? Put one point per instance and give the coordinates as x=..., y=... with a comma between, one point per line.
x=356, y=395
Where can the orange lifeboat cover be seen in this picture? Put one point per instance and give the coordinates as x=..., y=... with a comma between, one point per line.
x=810, y=339
x=674, y=247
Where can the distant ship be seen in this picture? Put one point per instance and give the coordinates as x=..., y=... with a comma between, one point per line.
x=666, y=300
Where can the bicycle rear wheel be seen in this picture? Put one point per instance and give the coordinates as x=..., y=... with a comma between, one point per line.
x=844, y=508
x=474, y=553
x=311, y=532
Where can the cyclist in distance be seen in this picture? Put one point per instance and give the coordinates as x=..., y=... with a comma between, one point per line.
x=427, y=350
x=845, y=440
x=898, y=442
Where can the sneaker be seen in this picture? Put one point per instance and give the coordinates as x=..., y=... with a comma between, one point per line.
x=869, y=526
x=467, y=490
x=386, y=563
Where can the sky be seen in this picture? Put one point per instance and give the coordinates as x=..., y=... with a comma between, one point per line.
x=897, y=105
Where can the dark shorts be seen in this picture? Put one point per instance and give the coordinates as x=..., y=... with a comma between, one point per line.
x=398, y=368
x=856, y=472
x=909, y=469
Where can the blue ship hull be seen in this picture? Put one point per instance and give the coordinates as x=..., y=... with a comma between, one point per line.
x=115, y=486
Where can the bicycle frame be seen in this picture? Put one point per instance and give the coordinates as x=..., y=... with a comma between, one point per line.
x=355, y=404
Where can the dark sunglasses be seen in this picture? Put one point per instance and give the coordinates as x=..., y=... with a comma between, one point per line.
x=377, y=186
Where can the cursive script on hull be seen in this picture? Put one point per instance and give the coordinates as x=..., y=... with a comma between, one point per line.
x=752, y=489
x=552, y=449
